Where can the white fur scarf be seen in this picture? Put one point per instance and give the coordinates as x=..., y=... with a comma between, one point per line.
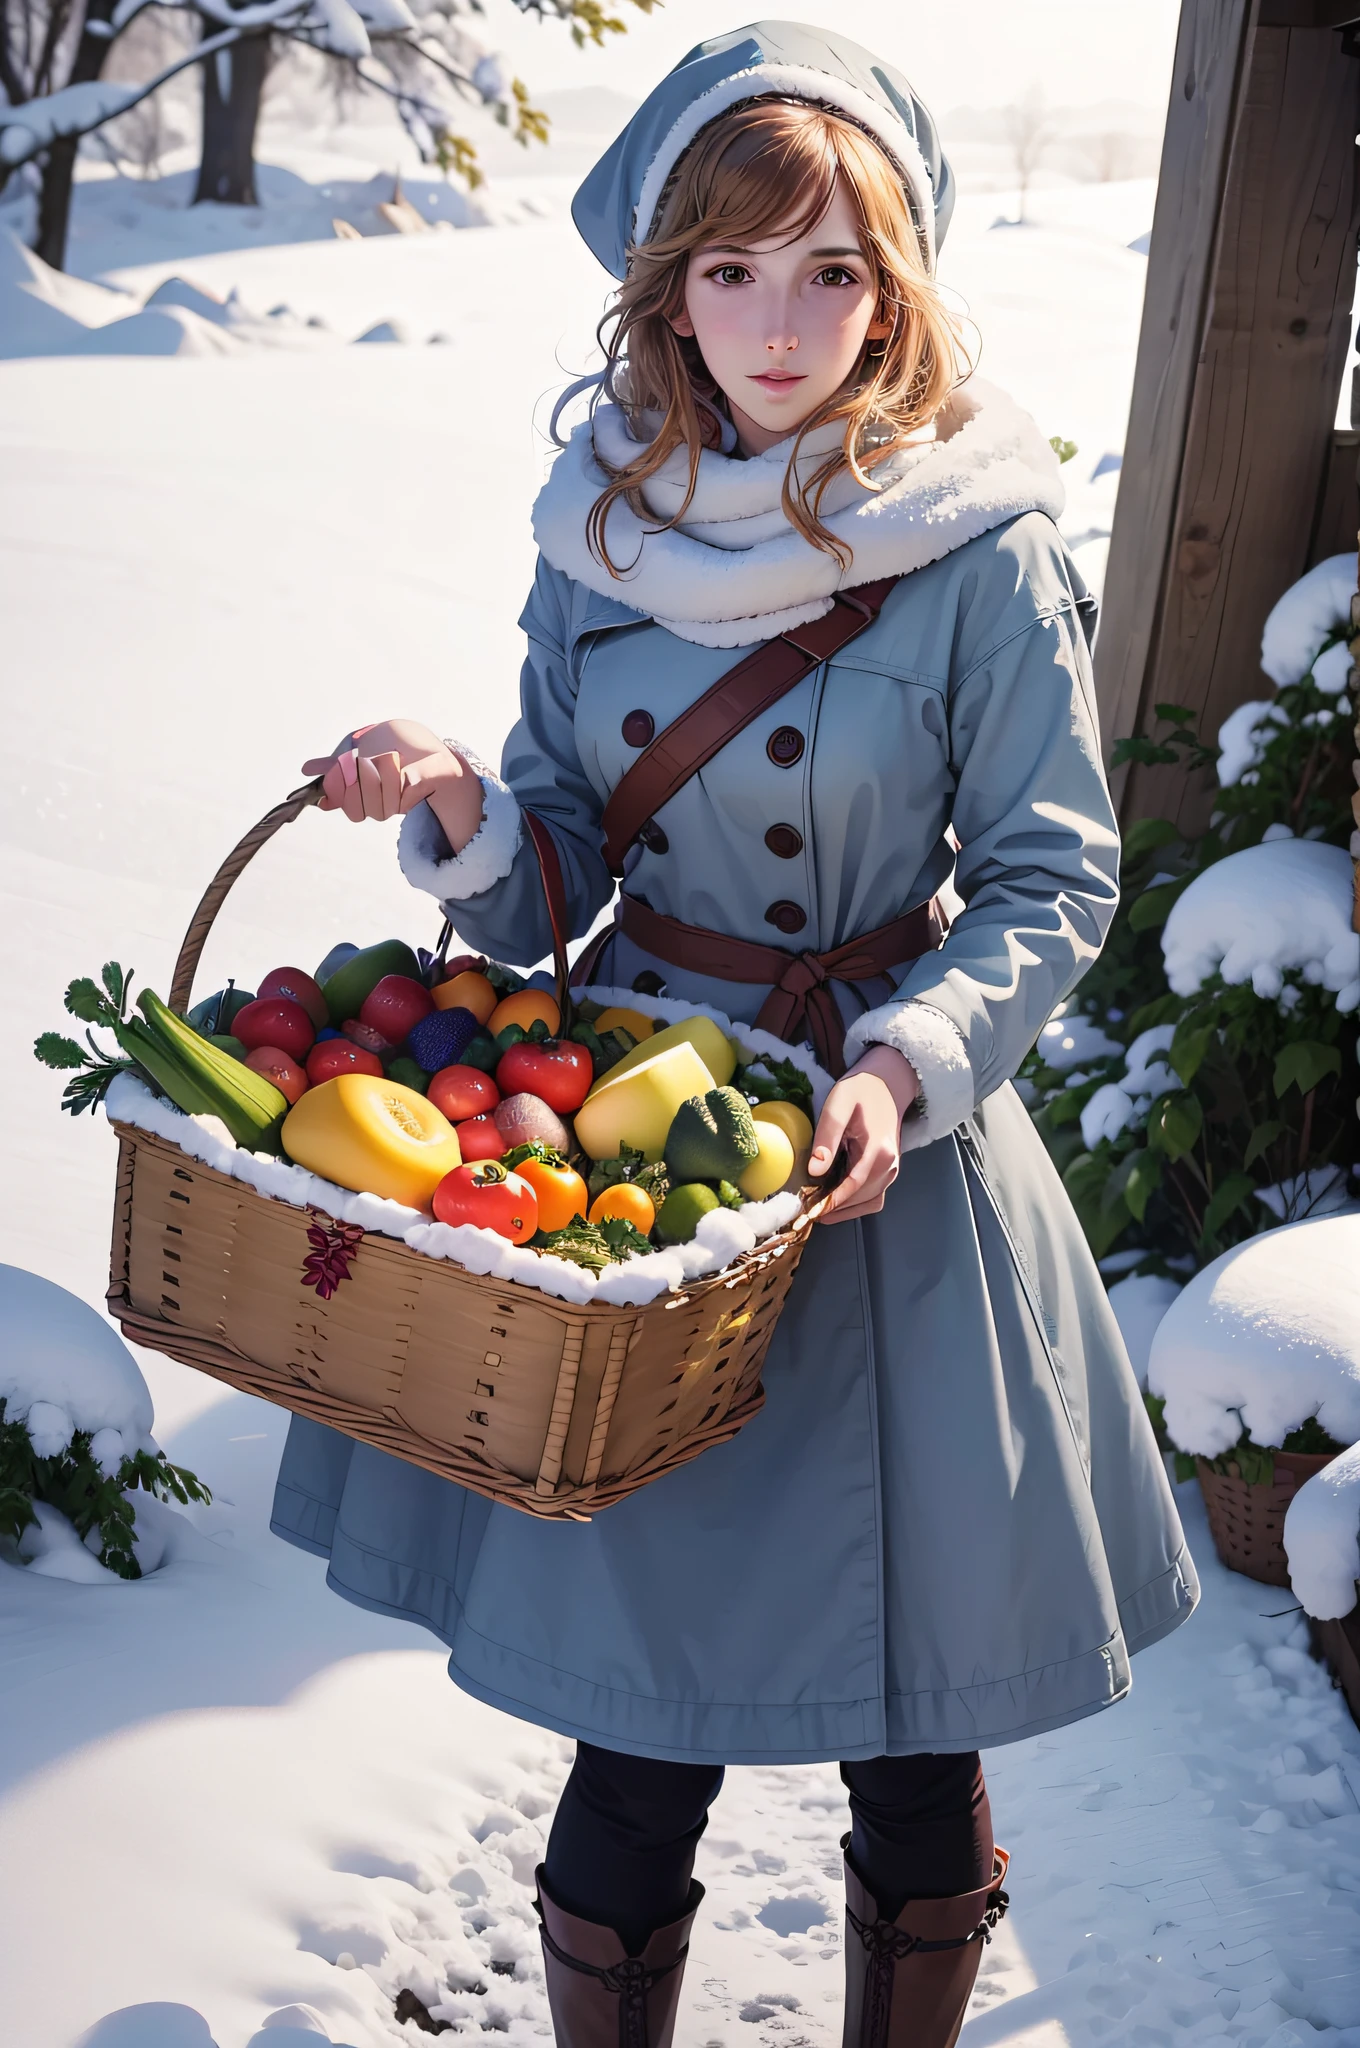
x=735, y=571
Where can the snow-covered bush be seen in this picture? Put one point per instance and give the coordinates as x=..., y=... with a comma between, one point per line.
x=75, y=1423
x=1230, y=980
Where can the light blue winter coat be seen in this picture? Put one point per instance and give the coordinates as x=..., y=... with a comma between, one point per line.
x=950, y=1526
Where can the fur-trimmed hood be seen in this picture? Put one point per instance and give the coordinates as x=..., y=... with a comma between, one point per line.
x=736, y=571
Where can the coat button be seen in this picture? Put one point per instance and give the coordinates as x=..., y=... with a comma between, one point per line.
x=653, y=838
x=785, y=841
x=638, y=728
x=785, y=746
x=786, y=917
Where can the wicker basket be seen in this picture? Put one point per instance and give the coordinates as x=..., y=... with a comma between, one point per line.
x=549, y=1406
x=1247, y=1522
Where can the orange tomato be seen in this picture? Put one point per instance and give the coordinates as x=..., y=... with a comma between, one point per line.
x=634, y=1204
x=524, y=1008
x=561, y=1193
x=466, y=991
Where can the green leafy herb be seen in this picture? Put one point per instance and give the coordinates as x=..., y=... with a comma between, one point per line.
x=533, y=1149
x=90, y=1067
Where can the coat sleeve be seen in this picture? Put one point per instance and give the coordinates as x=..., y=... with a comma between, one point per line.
x=1038, y=871
x=491, y=892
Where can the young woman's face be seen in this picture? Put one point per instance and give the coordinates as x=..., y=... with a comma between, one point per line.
x=781, y=325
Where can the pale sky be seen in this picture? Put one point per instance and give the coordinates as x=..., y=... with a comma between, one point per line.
x=955, y=52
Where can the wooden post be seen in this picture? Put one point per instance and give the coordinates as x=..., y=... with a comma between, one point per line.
x=1244, y=337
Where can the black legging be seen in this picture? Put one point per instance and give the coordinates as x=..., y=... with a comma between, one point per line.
x=621, y=1849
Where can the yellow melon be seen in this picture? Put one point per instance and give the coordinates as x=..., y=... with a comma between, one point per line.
x=713, y=1046
x=373, y=1135
x=637, y=1107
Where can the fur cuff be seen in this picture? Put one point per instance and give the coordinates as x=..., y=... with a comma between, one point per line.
x=935, y=1047
x=488, y=856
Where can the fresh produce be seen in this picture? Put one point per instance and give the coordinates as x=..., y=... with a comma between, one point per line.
x=248, y=1104
x=478, y=1138
x=411, y=1075
x=682, y=1212
x=337, y=1056
x=713, y=1046
x=795, y=1123
x=629, y=1165
x=395, y=1006
x=275, y=1020
x=462, y=1091
x=490, y=1198
x=227, y=1044
x=369, y=1133
x=525, y=1007
x=214, y=1014
x=635, y=1105
x=350, y=986
x=605, y=1050
x=561, y=1191
x=527, y=1120
x=767, y=1079
x=299, y=988
x=772, y=1168
x=287, y=1076
x=626, y=1199
x=594, y=1245
x=635, y=1022
x=557, y=1071
x=367, y=1036
x=712, y=1137
x=441, y=1038
x=467, y=991
x=343, y=950
x=483, y=1052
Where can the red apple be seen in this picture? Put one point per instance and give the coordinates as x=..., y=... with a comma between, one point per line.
x=299, y=988
x=366, y=1036
x=276, y=1066
x=478, y=1138
x=276, y=1021
x=557, y=1072
x=337, y=1056
x=462, y=1092
x=396, y=1006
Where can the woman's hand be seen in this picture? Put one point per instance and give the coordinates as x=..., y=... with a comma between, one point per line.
x=864, y=1113
x=385, y=770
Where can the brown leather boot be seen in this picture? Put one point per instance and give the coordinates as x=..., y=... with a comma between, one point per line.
x=908, y=1980
x=601, y=1997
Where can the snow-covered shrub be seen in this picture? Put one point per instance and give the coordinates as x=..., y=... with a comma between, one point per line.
x=1229, y=981
x=75, y=1422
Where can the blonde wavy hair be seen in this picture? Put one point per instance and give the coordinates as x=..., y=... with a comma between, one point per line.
x=766, y=168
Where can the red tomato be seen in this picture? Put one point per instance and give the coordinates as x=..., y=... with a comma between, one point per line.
x=275, y=1020
x=276, y=1066
x=462, y=1092
x=337, y=1056
x=478, y=1138
x=396, y=1006
x=299, y=988
x=489, y=1197
x=557, y=1072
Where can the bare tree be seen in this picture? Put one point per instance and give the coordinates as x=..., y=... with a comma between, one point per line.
x=1029, y=131
x=1113, y=153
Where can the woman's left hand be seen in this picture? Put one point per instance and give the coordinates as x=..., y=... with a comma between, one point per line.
x=864, y=1113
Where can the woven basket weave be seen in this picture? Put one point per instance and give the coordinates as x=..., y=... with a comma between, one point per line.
x=549, y=1406
x=1247, y=1522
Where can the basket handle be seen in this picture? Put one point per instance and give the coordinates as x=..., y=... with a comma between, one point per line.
x=215, y=895
x=245, y=850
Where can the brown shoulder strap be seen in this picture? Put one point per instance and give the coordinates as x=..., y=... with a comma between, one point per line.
x=727, y=708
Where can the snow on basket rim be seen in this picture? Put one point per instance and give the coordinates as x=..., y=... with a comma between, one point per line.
x=1263, y=1337
x=633, y=1282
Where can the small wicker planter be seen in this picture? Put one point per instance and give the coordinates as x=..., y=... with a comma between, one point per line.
x=554, y=1407
x=1247, y=1522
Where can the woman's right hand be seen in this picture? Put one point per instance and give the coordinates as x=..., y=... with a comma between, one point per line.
x=385, y=770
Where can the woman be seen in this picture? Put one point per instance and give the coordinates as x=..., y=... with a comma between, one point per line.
x=950, y=1526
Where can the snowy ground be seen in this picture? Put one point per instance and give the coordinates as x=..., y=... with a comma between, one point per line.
x=221, y=1785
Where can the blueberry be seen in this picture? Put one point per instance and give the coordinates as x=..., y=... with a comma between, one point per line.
x=441, y=1039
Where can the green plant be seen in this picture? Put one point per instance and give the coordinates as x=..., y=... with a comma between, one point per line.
x=90, y=1498
x=1256, y=1462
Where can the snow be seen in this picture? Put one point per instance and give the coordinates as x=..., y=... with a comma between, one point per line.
x=63, y=1368
x=1322, y=1538
x=1242, y=738
x=1331, y=671
x=1264, y=1337
x=1117, y=1104
x=1281, y=907
x=228, y=1791
x=1139, y=1302
x=1311, y=611
x=1073, y=1041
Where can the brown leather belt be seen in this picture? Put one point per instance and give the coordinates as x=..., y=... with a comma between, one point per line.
x=799, y=999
